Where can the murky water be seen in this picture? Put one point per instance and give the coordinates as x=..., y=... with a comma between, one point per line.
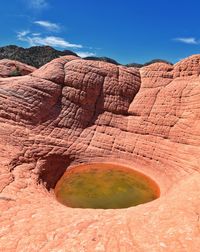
x=105, y=186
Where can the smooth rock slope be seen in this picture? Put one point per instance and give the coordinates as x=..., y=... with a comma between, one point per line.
x=72, y=111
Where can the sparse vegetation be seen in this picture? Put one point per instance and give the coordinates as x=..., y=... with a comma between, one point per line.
x=15, y=72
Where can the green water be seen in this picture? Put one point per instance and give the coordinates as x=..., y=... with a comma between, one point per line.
x=105, y=186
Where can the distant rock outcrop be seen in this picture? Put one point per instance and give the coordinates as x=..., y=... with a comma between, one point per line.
x=72, y=111
x=34, y=56
x=11, y=68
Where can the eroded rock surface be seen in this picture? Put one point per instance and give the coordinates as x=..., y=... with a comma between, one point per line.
x=72, y=111
x=11, y=68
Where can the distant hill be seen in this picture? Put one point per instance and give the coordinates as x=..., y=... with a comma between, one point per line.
x=34, y=56
x=157, y=61
x=134, y=65
x=138, y=65
x=149, y=63
x=105, y=59
x=37, y=56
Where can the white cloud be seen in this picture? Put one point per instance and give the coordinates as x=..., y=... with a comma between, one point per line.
x=37, y=4
x=36, y=34
x=48, y=40
x=54, y=41
x=48, y=25
x=85, y=54
x=22, y=33
x=190, y=40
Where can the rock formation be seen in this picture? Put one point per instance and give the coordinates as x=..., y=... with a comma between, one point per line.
x=72, y=111
x=11, y=68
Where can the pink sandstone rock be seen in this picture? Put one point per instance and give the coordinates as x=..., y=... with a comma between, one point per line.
x=72, y=111
x=9, y=68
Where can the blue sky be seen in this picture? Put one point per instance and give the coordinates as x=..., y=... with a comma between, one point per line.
x=125, y=30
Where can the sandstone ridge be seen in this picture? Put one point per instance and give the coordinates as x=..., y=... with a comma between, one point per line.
x=11, y=68
x=72, y=111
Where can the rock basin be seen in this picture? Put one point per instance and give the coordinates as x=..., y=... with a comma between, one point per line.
x=105, y=186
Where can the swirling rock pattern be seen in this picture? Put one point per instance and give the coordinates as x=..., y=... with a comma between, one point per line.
x=72, y=111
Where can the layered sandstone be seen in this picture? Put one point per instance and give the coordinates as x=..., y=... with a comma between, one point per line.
x=72, y=111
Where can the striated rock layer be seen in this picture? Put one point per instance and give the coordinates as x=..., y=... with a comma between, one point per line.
x=72, y=111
